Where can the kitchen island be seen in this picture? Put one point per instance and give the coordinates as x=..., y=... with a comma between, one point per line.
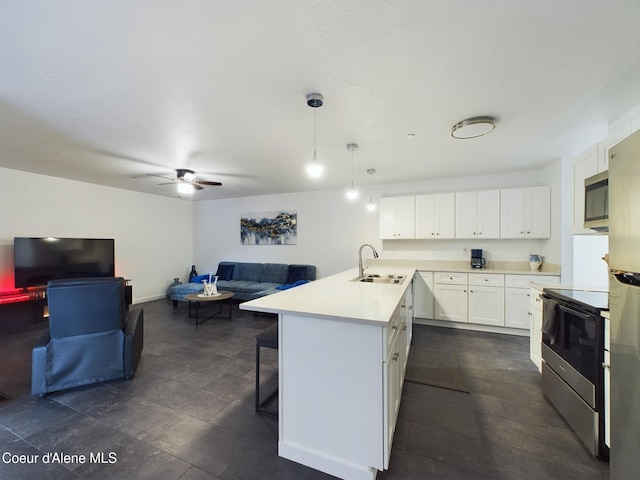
x=343, y=347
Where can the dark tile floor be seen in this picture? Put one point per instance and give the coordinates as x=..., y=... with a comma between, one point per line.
x=188, y=413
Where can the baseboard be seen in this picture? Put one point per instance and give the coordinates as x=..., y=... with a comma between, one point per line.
x=472, y=326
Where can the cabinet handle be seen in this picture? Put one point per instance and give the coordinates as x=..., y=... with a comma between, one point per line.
x=404, y=328
x=486, y=279
x=432, y=233
x=528, y=233
x=528, y=295
x=395, y=356
x=395, y=327
x=470, y=291
x=464, y=291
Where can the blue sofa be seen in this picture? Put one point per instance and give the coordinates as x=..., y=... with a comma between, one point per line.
x=248, y=280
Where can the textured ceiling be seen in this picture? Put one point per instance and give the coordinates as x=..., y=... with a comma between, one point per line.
x=110, y=92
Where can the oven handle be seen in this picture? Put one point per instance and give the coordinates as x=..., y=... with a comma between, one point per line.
x=578, y=313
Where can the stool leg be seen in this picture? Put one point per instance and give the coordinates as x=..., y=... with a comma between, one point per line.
x=257, y=377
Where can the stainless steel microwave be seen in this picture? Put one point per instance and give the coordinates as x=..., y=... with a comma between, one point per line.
x=596, y=202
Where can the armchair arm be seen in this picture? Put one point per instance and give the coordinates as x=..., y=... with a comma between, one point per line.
x=133, y=341
x=39, y=365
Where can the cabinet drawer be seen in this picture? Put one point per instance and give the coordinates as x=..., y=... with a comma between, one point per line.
x=524, y=281
x=451, y=278
x=487, y=279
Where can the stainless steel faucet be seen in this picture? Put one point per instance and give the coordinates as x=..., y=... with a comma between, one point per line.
x=360, y=267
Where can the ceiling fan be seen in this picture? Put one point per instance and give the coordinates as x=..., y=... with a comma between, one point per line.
x=187, y=178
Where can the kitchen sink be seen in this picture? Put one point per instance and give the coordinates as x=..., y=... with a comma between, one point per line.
x=377, y=278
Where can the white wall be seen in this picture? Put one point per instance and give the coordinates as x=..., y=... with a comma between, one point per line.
x=153, y=235
x=330, y=229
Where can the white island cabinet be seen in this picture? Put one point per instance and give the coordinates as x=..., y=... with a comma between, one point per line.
x=343, y=348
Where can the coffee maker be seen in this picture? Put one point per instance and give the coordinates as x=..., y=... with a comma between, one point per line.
x=477, y=260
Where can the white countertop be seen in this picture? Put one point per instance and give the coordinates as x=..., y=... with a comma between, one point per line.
x=338, y=297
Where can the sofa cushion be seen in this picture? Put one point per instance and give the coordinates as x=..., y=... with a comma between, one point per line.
x=225, y=271
x=247, y=272
x=296, y=272
x=275, y=273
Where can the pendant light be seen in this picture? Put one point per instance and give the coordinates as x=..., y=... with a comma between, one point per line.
x=314, y=167
x=352, y=192
x=371, y=206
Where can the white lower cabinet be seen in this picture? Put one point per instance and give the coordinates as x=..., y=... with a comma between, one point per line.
x=516, y=307
x=423, y=294
x=486, y=299
x=535, y=338
x=398, y=344
x=450, y=296
x=340, y=387
x=499, y=300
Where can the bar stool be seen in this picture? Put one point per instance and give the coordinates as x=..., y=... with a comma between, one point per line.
x=268, y=338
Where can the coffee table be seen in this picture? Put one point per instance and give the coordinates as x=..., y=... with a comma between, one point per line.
x=199, y=298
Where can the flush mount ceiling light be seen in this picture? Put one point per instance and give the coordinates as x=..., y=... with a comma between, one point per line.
x=352, y=192
x=371, y=206
x=314, y=167
x=473, y=127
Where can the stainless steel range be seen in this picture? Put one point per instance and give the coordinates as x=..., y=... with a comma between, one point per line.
x=573, y=355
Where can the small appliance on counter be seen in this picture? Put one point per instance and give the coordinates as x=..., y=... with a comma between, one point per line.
x=477, y=260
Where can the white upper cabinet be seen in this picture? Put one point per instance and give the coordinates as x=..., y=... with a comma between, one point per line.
x=525, y=212
x=397, y=217
x=435, y=215
x=478, y=214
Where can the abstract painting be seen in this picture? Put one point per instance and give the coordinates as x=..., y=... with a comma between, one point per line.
x=269, y=228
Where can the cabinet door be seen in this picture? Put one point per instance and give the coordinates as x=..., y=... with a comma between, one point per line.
x=392, y=393
x=466, y=216
x=397, y=218
x=535, y=339
x=388, y=218
x=517, y=305
x=512, y=213
x=488, y=214
x=525, y=212
x=423, y=294
x=538, y=212
x=405, y=213
x=425, y=216
x=450, y=302
x=445, y=215
x=584, y=166
x=486, y=305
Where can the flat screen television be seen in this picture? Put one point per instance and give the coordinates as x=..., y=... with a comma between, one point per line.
x=38, y=260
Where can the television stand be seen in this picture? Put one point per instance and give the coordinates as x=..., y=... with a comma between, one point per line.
x=23, y=308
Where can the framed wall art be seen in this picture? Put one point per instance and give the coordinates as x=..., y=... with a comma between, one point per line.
x=269, y=228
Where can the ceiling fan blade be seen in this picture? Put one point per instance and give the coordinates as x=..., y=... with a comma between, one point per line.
x=202, y=182
x=167, y=183
x=197, y=187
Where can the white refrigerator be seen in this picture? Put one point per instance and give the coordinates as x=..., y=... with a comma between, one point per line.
x=624, y=263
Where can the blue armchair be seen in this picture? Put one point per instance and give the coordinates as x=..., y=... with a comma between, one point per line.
x=92, y=337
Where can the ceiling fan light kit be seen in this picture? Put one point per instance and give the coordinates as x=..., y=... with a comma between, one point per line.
x=473, y=127
x=185, y=188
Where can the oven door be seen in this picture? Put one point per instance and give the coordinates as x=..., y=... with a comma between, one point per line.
x=579, y=340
